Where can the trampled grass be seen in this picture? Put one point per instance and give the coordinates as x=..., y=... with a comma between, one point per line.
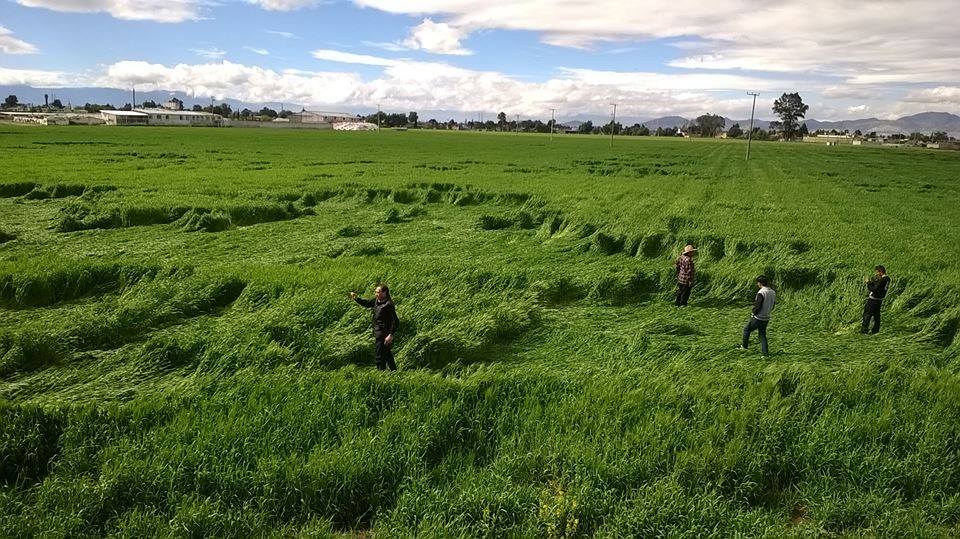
x=178, y=355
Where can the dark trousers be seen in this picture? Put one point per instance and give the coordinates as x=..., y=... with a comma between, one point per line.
x=385, y=356
x=871, y=309
x=761, y=327
x=683, y=294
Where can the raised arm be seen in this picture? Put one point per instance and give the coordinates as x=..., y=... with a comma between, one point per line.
x=368, y=303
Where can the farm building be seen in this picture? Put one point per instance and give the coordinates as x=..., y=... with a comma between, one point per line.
x=181, y=117
x=123, y=117
x=829, y=140
x=173, y=104
x=160, y=117
x=320, y=117
x=945, y=145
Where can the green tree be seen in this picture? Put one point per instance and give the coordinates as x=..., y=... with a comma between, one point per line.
x=803, y=130
x=56, y=104
x=413, y=119
x=149, y=104
x=501, y=119
x=10, y=102
x=616, y=127
x=586, y=127
x=790, y=108
x=709, y=125
x=939, y=136
x=734, y=131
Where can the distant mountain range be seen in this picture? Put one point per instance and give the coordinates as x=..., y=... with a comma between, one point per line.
x=924, y=122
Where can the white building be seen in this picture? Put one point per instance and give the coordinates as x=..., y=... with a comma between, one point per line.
x=123, y=117
x=322, y=117
x=166, y=117
x=184, y=118
x=173, y=104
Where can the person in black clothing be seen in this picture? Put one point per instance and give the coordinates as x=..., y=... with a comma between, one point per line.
x=877, y=286
x=385, y=322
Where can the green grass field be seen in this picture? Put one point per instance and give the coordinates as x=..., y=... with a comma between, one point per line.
x=178, y=355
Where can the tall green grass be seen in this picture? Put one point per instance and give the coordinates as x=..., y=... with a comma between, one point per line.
x=179, y=355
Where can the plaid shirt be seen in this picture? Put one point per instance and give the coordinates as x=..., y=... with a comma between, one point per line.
x=685, y=270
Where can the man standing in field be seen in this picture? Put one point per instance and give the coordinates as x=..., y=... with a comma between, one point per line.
x=385, y=322
x=760, y=317
x=877, y=286
x=685, y=274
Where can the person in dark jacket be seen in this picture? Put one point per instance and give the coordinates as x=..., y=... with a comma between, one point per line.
x=877, y=287
x=760, y=316
x=385, y=322
x=685, y=275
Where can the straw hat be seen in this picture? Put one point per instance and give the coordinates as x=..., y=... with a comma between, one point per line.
x=689, y=249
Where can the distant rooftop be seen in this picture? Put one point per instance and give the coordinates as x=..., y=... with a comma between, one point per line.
x=122, y=113
x=178, y=112
x=328, y=113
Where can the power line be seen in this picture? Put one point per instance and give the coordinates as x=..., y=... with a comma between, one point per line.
x=552, y=122
x=613, y=123
x=750, y=134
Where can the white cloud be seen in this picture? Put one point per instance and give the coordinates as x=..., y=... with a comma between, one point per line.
x=385, y=45
x=285, y=5
x=940, y=95
x=413, y=85
x=32, y=77
x=884, y=42
x=227, y=79
x=285, y=35
x=261, y=52
x=211, y=53
x=12, y=45
x=169, y=11
x=848, y=92
x=436, y=37
x=350, y=58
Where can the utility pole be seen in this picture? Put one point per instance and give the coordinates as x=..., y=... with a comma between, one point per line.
x=518, y=124
x=552, y=121
x=378, y=117
x=750, y=133
x=613, y=123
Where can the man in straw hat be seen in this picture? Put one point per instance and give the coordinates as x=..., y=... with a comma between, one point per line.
x=685, y=273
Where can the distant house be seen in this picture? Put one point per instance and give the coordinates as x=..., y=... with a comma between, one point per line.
x=322, y=117
x=173, y=104
x=161, y=117
x=186, y=118
x=123, y=117
x=945, y=145
x=829, y=140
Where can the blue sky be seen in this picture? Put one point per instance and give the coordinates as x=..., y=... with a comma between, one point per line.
x=525, y=57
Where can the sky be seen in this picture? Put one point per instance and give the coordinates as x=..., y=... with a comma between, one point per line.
x=847, y=58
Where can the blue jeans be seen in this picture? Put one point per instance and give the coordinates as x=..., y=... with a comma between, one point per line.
x=759, y=326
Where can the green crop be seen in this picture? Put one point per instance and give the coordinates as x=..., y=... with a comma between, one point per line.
x=179, y=356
